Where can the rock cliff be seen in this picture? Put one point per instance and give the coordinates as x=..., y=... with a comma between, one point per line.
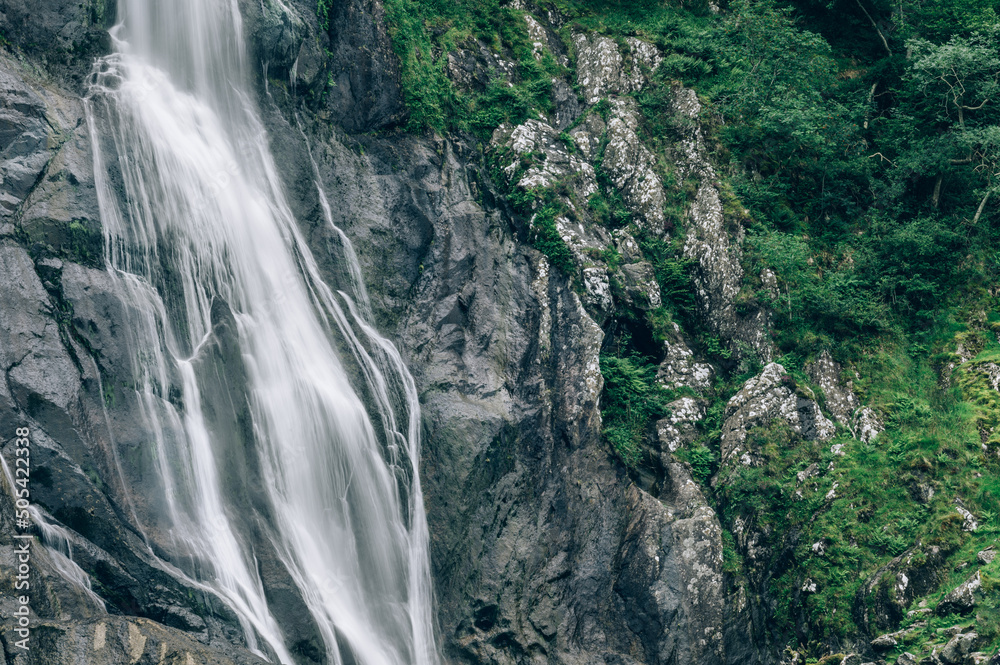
x=545, y=546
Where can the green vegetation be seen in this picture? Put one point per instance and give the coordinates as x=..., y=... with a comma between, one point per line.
x=424, y=32
x=632, y=400
x=858, y=147
x=546, y=239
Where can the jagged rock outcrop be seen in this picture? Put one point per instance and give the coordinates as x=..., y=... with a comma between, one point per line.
x=840, y=400
x=603, y=70
x=768, y=397
x=66, y=371
x=679, y=366
x=712, y=244
x=883, y=600
x=961, y=599
x=678, y=429
x=629, y=164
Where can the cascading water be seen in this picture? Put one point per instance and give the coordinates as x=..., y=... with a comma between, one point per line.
x=197, y=230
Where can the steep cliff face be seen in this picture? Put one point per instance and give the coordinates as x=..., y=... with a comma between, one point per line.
x=542, y=545
x=498, y=268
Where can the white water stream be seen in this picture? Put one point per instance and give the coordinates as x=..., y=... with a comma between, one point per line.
x=195, y=218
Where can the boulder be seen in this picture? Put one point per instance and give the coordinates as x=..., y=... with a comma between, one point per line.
x=961, y=599
x=762, y=400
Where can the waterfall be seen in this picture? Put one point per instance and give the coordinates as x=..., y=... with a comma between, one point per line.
x=199, y=238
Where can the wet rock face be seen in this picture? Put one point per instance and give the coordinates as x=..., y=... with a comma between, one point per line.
x=65, y=359
x=64, y=37
x=120, y=641
x=45, y=168
x=531, y=529
x=367, y=94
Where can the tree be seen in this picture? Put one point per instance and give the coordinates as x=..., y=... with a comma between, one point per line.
x=958, y=83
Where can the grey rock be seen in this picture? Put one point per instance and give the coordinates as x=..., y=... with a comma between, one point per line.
x=678, y=429
x=679, y=367
x=535, y=136
x=711, y=244
x=542, y=546
x=961, y=599
x=602, y=70
x=641, y=288
x=810, y=471
x=840, y=400
x=627, y=246
x=678, y=539
x=884, y=642
x=951, y=631
x=38, y=369
x=23, y=141
x=46, y=178
x=471, y=68
x=279, y=31
x=879, y=607
x=120, y=641
x=559, y=165
x=969, y=522
x=922, y=492
x=867, y=425
x=629, y=165
x=906, y=658
x=956, y=651
x=64, y=37
x=542, y=33
x=587, y=135
x=567, y=106
x=368, y=94
x=762, y=400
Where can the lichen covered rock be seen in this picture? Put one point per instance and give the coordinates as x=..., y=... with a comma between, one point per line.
x=763, y=399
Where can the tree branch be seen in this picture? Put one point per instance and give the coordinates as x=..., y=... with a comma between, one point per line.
x=875, y=25
x=976, y=108
x=982, y=204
